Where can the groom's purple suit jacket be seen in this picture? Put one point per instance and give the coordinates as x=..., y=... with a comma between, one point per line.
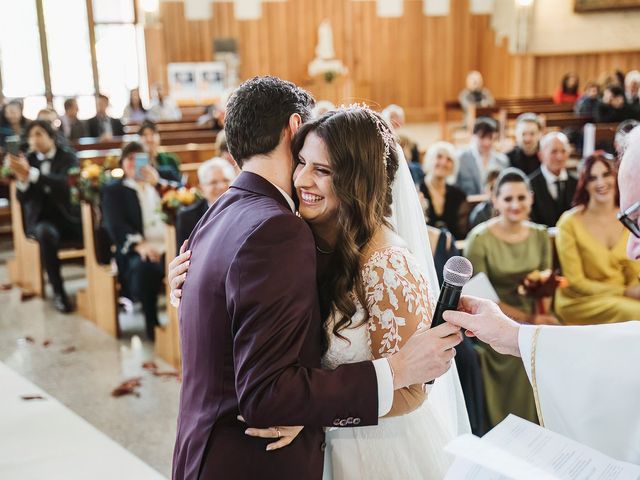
x=250, y=332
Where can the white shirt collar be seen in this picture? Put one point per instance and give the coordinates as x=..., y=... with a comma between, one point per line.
x=551, y=178
x=47, y=156
x=287, y=197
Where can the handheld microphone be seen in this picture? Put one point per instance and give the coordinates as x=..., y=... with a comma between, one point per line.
x=457, y=272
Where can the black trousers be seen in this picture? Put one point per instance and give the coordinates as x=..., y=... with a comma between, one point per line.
x=51, y=236
x=143, y=280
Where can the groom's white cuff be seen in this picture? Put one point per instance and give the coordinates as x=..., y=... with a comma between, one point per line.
x=385, y=386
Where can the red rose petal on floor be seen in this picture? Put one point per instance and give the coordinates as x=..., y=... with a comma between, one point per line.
x=128, y=387
x=32, y=397
x=24, y=296
x=28, y=339
x=167, y=374
x=150, y=366
x=46, y=343
x=70, y=349
x=6, y=286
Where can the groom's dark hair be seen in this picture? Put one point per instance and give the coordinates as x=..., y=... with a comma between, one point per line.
x=258, y=112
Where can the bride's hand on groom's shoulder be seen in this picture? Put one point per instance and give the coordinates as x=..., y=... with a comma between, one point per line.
x=284, y=435
x=177, y=273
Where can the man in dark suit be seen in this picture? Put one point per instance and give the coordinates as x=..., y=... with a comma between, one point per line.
x=139, y=239
x=102, y=125
x=214, y=178
x=48, y=213
x=72, y=127
x=553, y=187
x=250, y=325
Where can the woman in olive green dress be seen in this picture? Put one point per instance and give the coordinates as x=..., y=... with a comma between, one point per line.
x=507, y=248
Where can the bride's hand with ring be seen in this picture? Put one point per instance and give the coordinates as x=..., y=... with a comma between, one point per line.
x=285, y=435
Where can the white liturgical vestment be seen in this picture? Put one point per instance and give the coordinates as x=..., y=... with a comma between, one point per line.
x=587, y=383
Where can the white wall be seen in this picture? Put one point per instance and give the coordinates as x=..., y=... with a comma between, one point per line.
x=556, y=28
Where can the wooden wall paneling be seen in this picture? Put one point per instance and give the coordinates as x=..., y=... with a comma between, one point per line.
x=415, y=61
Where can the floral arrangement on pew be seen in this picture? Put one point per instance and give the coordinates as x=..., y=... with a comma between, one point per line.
x=174, y=199
x=541, y=285
x=87, y=181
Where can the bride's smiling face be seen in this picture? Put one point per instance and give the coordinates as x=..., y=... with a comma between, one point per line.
x=313, y=182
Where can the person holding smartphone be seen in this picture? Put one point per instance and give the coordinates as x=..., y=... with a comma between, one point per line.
x=43, y=191
x=131, y=211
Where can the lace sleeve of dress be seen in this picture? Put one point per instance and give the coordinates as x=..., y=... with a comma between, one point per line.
x=399, y=303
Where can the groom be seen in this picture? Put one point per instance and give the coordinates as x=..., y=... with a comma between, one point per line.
x=250, y=323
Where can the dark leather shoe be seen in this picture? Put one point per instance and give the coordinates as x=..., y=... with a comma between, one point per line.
x=62, y=303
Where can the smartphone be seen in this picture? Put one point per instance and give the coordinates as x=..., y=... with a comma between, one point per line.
x=13, y=143
x=142, y=159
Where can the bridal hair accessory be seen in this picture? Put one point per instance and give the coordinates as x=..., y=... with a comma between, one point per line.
x=388, y=138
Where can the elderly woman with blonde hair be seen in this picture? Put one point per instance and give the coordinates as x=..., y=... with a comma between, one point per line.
x=445, y=204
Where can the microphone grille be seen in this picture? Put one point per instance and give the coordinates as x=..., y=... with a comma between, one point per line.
x=457, y=271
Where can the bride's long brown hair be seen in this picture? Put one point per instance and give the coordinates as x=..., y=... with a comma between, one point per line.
x=362, y=179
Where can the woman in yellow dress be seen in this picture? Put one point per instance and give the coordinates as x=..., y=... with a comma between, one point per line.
x=603, y=285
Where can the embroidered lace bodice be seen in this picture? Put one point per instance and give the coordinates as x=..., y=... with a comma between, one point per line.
x=399, y=301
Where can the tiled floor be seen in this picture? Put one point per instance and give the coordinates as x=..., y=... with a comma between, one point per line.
x=83, y=380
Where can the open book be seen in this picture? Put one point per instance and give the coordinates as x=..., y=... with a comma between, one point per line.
x=521, y=450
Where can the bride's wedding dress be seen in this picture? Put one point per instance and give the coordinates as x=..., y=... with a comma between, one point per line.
x=410, y=446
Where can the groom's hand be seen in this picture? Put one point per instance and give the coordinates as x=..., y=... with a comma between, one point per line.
x=177, y=273
x=426, y=355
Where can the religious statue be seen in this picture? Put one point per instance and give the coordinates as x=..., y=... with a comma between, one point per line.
x=325, y=64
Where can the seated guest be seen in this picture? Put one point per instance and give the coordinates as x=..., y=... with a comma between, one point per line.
x=588, y=102
x=214, y=178
x=223, y=151
x=408, y=149
x=620, y=139
x=508, y=248
x=475, y=93
x=322, y=107
x=43, y=190
x=394, y=116
x=480, y=157
x=445, y=205
x=51, y=116
x=632, y=88
x=102, y=125
x=525, y=154
x=484, y=210
x=163, y=108
x=72, y=127
x=167, y=164
x=134, y=112
x=12, y=121
x=553, y=187
x=567, y=92
x=443, y=248
x=603, y=284
x=131, y=212
x=613, y=107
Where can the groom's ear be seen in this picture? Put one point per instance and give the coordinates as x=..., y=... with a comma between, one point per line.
x=295, y=121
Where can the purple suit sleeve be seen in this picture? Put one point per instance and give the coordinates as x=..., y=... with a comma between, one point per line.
x=271, y=299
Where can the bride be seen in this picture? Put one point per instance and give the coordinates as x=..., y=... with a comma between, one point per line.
x=378, y=284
